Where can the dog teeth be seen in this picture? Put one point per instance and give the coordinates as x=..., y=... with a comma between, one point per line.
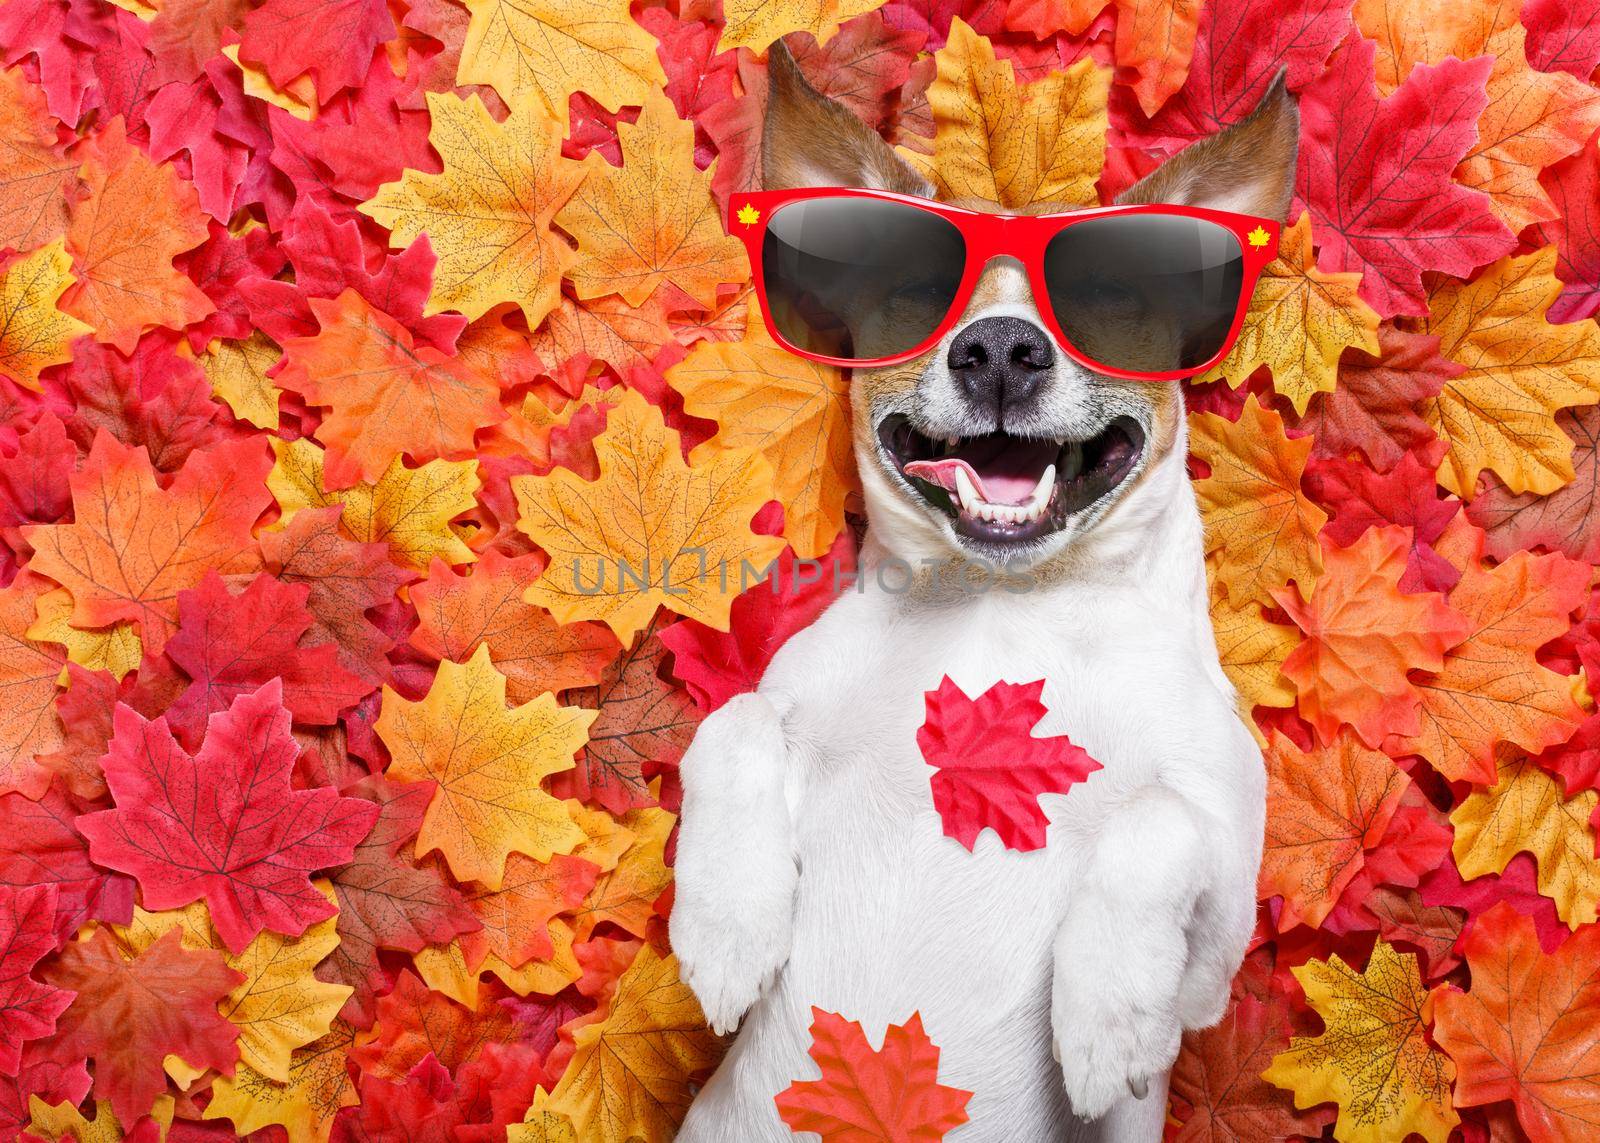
x=1040, y=496
x=970, y=500
x=1029, y=510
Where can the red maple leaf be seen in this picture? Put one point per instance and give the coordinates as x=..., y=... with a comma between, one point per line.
x=1375, y=175
x=990, y=769
x=1218, y=1094
x=28, y=1007
x=230, y=645
x=224, y=824
x=344, y=579
x=1562, y=36
x=1373, y=410
x=891, y=1095
x=1566, y=520
x=1573, y=185
x=716, y=665
x=42, y=847
x=130, y=1015
x=414, y=1021
x=329, y=256
x=330, y=40
x=387, y=900
x=1239, y=47
x=153, y=398
x=1358, y=498
x=644, y=720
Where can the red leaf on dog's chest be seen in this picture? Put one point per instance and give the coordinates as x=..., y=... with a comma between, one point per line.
x=990, y=767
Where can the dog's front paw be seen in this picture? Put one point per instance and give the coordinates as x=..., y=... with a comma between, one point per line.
x=728, y=961
x=1107, y=1056
x=1115, y=1022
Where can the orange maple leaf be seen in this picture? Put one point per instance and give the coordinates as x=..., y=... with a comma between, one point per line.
x=29, y=671
x=516, y=917
x=1325, y=809
x=387, y=396
x=133, y=545
x=123, y=236
x=459, y=613
x=1528, y=1030
x=1362, y=635
x=1491, y=689
x=487, y=762
x=1155, y=38
x=865, y=1095
x=37, y=177
x=651, y=221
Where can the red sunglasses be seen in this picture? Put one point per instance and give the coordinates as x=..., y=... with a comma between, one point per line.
x=861, y=277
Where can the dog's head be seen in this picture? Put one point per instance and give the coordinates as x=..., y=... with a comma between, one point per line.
x=1060, y=451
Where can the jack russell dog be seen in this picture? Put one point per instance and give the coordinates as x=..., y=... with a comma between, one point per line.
x=812, y=869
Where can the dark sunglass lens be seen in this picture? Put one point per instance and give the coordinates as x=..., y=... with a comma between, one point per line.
x=859, y=278
x=1148, y=293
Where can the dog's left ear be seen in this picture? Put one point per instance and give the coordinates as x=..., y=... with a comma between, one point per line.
x=809, y=140
x=1247, y=168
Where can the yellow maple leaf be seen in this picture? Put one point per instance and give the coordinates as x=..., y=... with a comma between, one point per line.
x=444, y=969
x=605, y=838
x=305, y=1106
x=1532, y=119
x=1373, y=1057
x=487, y=762
x=626, y=894
x=1519, y=370
x=629, y=1074
x=749, y=215
x=754, y=24
x=541, y=1124
x=1525, y=812
x=651, y=220
x=1259, y=236
x=34, y=333
x=794, y=412
x=237, y=371
x=650, y=531
x=1251, y=649
x=409, y=509
x=996, y=141
x=487, y=215
x=1260, y=527
x=63, y=1121
x=116, y=648
x=1300, y=320
x=541, y=51
x=279, y=1006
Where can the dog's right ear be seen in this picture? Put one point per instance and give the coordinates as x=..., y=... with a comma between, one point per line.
x=811, y=141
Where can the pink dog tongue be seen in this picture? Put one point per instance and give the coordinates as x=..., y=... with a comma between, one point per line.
x=1006, y=479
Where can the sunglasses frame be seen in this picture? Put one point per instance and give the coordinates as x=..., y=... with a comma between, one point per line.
x=988, y=236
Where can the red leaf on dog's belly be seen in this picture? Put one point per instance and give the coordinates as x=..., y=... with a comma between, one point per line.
x=990, y=769
x=867, y=1096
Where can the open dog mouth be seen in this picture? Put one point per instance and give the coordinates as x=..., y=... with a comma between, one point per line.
x=1008, y=489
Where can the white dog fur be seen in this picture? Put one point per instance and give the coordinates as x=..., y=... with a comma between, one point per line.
x=812, y=869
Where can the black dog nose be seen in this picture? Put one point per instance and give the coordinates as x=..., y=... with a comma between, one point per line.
x=1000, y=361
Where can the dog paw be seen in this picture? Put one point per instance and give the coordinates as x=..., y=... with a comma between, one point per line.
x=1106, y=1054
x=726, y=962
